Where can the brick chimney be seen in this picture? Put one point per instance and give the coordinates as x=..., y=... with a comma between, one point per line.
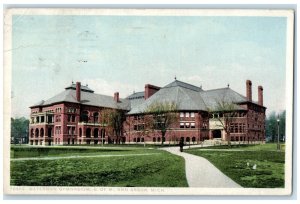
x=249, y=90
x=260, y=96
x=150, y=90
x=78, y=86
x=116, y=97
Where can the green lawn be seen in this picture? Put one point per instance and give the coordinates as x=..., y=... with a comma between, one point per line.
x=157, y=170
x=269, y=172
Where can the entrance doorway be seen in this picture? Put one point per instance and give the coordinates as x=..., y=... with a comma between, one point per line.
x=216, y=134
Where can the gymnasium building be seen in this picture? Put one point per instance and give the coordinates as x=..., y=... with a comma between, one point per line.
x=75, y=116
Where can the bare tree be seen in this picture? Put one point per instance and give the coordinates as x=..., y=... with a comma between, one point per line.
x=160, y=117
x=104, y=117
x=225, y=112
x=115, y=122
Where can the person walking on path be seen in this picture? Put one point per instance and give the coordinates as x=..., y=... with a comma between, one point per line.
x=181, y=144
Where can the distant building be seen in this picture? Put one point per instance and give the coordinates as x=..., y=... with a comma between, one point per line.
x=74, y=115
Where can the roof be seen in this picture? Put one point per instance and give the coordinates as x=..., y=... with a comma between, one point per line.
x=184, y=95
x=136, y=95
x=183, y=85
x=87, y=98
x=189, y=97
x=82, y=88
x=212, y=97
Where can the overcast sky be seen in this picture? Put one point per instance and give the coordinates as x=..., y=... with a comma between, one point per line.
x=123, y=53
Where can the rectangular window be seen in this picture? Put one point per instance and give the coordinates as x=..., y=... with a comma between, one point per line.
x=192, y=125
x=187, y=114
x=192, y=114
x=135, y=127
x=187, y=125
x=181, y=125
x=181, y=114
x=236, y=127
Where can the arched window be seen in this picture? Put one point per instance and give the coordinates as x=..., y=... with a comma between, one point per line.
x=193, y=139
x=134, y=139
x=154, y=139
x=36, y=132
x=142, y=139
x=187, y=139
x=88, y=132
x=138, y=139
x=158, y=139
x=96, y=132
x=80, y=132
x=42, y=132
x=31, y=133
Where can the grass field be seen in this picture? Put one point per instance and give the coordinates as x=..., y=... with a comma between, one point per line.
x=159, y=169
x=237, y=163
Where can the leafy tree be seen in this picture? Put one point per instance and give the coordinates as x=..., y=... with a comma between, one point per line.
x=160, y=117
x=225, y=110
x=271, y=125
x=19, y=130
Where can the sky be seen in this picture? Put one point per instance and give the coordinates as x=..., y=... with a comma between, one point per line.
x=123, y=53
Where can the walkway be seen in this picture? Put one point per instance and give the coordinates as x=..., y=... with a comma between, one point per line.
x=201, y=173
x=79, y=156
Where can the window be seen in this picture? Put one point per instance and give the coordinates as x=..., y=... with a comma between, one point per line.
x=187, y=114
x=187, y=125
x=96, y=117
x=57, y=118
x=193, y=125
x=236, y=127
x=192, y=114
x=181, y=125
x=135, y=127
x=181, y=114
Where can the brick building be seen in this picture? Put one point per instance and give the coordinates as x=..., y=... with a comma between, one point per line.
x=74, y=116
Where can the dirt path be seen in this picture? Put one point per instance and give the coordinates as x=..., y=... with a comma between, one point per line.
x=201, y=173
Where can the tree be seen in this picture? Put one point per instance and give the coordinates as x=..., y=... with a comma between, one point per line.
x=225, y=110
x=19, y=130
x=271, y=125
x=115, y=120
x=160, y=117
x=104, y=117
